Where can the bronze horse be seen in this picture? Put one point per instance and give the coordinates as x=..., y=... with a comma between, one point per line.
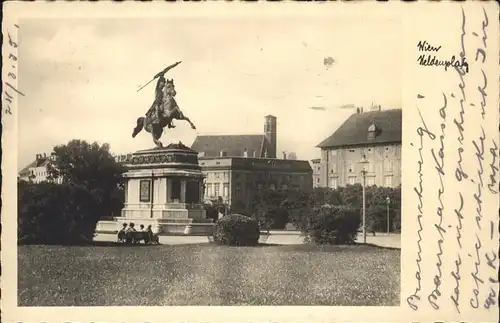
x=162, y=113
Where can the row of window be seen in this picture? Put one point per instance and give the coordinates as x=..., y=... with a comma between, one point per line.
x=369, y=167
x=254, y=176
x=217, y=175
x=214, y=190
x=33, y=173
x=370, y=181
x=223, y=153
x=363, y=150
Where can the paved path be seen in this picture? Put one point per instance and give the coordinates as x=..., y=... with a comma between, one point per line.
x=382, y=239
x=276, y=237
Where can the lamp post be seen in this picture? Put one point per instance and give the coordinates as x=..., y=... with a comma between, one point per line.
x=363, y=173
x=388, y=200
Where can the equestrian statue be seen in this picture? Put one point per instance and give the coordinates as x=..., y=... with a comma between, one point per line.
x=163, y=110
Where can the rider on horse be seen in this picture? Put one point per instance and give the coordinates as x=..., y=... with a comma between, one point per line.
x=156, y=109
x=163, y=110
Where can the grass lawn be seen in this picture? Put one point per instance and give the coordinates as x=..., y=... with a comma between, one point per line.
x=207, y=274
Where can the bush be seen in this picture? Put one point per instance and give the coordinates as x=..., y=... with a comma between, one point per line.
x=331, y=224
x=237, y=230
x=51, y=213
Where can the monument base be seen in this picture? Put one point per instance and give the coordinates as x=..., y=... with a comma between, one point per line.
x=164, y=189
x=161, y=227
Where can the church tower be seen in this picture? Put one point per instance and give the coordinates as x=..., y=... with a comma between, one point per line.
x=270, y=133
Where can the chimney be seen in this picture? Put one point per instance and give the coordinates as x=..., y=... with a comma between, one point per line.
x=270, y=130
x=38, y=156
x=284, y=155
x=245, y=153
x=358, y=110
x=379, y=107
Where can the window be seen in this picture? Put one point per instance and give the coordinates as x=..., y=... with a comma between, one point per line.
x=388, y=165
x=370, y=167
x=223, y=153
x=350, y=168
x=245, y=153
x=370, y=180
x=237, y=191
x=201, y=154
x=217, y=175
x=334, y=168
x=372, y=131
x=225, y=190
x=333, y=183
x=216, y=189
x=352, y=150
x=388, y=181
x=352, y=180
x=333, y=153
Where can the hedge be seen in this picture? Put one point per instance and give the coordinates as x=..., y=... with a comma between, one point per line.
x=51, y=213
x=332, y=224
x=237, y=230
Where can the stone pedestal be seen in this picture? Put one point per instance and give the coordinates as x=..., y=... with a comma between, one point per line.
x=163, y=189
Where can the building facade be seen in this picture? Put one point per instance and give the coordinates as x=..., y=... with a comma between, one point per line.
x=366, y=141
x=316, y=167
x=37, y=171
x=236, y=180
x=238, y=166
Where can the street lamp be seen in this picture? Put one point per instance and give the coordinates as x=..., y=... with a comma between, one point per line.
x=363, y=173
x=388, y=200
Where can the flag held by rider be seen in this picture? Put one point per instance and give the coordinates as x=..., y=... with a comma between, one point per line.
x=160, y=74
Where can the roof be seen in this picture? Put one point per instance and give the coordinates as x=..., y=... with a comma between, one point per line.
x=44, y=161
x=233, y=145
x=354, y=131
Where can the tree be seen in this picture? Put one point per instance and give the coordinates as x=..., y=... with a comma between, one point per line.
x=93, y=167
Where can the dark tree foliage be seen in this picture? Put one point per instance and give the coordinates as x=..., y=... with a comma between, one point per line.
x=93, y=167
x=275, y=208
x=50, y=213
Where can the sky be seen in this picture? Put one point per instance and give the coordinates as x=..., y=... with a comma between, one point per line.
x=80, y=77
